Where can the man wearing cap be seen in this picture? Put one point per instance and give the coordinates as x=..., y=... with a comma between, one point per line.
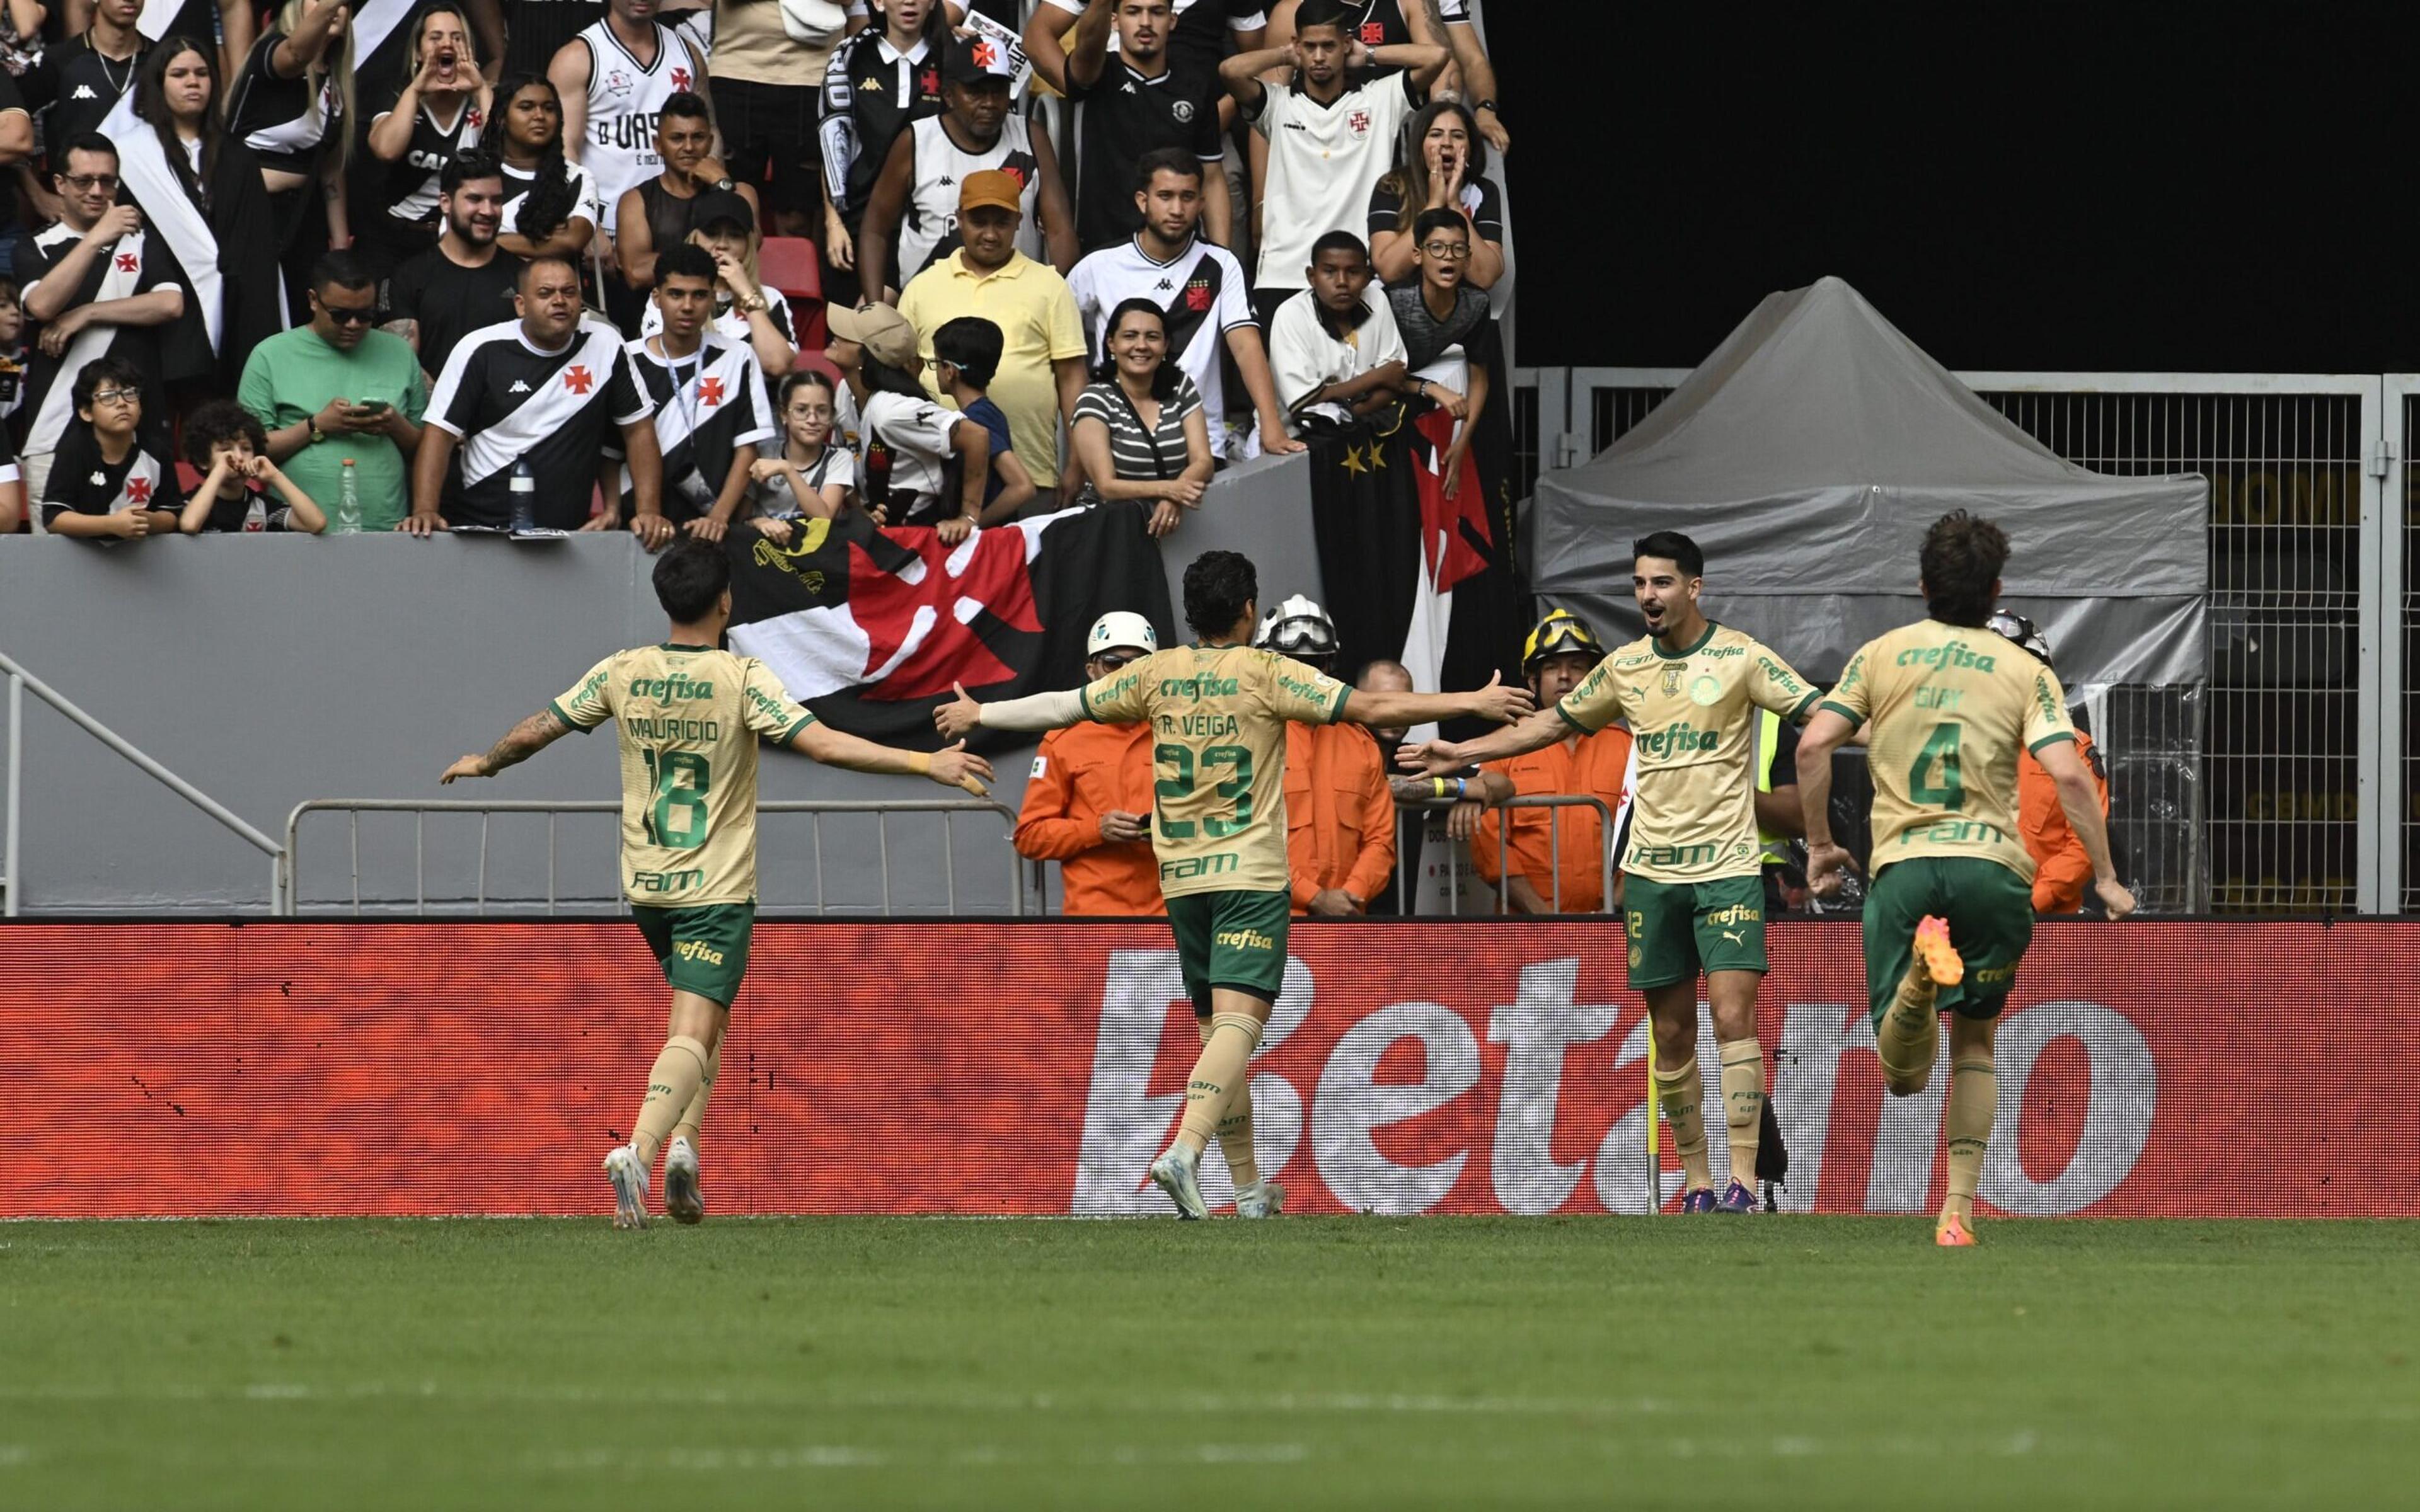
x=1559, y=653
x=875, y=350
x=1088, y=803
x=914, y=207
x=1340, y=809
x=723, y=225
x=1041, y=355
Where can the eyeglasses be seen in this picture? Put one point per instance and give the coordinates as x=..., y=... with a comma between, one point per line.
x=349, y=317
x=1452, y=252
x=88, y=181
x=1112, y=661
x=117, y=396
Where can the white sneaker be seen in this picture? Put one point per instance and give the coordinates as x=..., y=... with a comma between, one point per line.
x=1262, y=1199
x=683, y=1201
x=1174, y=1172
x=629, y=1181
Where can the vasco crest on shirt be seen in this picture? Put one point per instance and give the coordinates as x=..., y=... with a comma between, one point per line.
x=1670, y=682
x=617, y=81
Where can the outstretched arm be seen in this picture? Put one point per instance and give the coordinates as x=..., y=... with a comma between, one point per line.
x=1039, y=712
x=951, y=768
x=527, y=738
x=1443, y=758
x=1498, y=700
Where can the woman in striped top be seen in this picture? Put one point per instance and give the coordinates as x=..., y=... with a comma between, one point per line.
x=1140, y=429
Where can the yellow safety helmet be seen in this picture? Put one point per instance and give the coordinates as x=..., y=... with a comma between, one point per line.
x=1559, y=632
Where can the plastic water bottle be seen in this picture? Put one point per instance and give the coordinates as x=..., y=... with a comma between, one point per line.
x=524, y=492
x=348, y=502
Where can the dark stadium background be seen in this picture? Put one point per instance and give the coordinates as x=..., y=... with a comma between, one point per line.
x=2143, y=186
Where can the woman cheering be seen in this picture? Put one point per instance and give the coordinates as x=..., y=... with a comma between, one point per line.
x=438, y=113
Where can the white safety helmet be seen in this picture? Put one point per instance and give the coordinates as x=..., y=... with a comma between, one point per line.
x=1297, y=627
x=1120, y=627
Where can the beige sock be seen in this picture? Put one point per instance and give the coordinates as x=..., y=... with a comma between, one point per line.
x=1744, y=1105
x=1680, y=1092
x=1909, y=1037
x=679, y=1071
x=1973, y=1097
x=692, y=1117
x=1226, y=1062
x=1235, y=1129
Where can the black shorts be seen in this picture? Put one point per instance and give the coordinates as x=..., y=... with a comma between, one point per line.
x=768, y=138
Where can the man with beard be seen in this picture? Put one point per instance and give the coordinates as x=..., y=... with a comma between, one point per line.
x=1131, y=102
x=466, y=280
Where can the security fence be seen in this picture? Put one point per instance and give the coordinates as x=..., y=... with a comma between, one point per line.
x=2245, y=795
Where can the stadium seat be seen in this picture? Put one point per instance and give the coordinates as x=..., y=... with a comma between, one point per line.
x=794, y=265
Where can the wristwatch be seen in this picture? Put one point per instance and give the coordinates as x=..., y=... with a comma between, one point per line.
x=725, y=185
x=1489, y=106
x=753, y=303
x=316, y=434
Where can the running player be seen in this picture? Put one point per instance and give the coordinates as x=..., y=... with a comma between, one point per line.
x=689, y=718
x=1692, y=898
x=1951, y=908
x=1218, y=712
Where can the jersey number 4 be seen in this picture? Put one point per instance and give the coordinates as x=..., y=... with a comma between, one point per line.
x=1940, y=745
x=676, y=817
x=1237, y=788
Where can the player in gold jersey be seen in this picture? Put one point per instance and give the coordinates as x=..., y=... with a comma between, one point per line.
x=1692, y=887
x=1950, y=705
x=1218, y=712
x=690, y=717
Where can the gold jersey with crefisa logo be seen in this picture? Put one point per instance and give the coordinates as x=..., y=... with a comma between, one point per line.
x=689, y=718
x=1693, y=735
x=1217, y=717
x=1950, y=707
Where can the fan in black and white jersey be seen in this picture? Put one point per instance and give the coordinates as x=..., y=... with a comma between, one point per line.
x=293, y=105
x=1131, y=100
x=877, y=83
x=744, y=315
x=227, y=26
x=109, y=485
x=92, y=286
x=1201, y=291
x=535, y=401
x=914, y=208
x=1197, y=38
x=551, y=207
x=615, y=78
x=80, y=80
x=711, y=410
x=1446, y=23
x=440, y=112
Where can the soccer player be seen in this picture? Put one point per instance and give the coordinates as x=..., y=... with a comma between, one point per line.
x=1693, y=900
x=1951, y=908
x=690, y=718
x=1218, y=712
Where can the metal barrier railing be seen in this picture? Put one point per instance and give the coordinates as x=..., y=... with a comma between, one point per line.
x=12, y=877
x=1554, y=848
x=289, y=901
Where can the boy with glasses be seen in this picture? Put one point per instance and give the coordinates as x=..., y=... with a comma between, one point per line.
x=106, y=485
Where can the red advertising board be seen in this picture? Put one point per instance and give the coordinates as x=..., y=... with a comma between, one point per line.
x=2163, y=1069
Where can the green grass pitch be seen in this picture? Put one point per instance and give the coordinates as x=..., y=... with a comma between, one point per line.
x=1329, y=1362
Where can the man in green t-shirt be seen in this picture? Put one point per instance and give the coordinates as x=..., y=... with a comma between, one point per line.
x=336, y=389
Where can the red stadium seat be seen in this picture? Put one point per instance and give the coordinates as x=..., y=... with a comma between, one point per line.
x=795, y=266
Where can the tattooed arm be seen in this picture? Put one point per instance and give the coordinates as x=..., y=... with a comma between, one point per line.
x=529, y=737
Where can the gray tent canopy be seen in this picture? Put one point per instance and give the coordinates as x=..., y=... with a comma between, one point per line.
x=1808, y=456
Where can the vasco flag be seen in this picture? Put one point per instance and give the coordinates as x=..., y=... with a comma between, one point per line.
x=869, y=627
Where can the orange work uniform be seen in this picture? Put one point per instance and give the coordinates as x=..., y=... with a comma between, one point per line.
x=2061, y=869
x=1591, y=766
x=1340, y=812
x=1081, y=773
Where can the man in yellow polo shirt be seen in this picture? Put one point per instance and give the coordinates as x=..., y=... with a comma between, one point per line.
x=1043, y=351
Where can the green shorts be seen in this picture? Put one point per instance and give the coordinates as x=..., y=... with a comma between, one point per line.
x=703, y=950
x=1231, y=939
x=1679, y=929
x=1991, y=914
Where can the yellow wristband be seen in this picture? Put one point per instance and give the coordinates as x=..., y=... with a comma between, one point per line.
x=1438, y=784
x=923, y=763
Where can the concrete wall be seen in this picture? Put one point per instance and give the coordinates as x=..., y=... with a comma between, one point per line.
x=270, y=670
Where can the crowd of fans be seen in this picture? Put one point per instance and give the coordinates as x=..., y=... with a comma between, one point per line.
x=504, y=265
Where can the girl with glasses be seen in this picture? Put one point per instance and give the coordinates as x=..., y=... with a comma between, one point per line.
x=810, y=477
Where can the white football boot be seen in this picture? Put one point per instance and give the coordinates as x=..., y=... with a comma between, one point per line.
x=1176, y=1175
x=1262, y=1199
x=629, y=1181
x=683, y=1201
